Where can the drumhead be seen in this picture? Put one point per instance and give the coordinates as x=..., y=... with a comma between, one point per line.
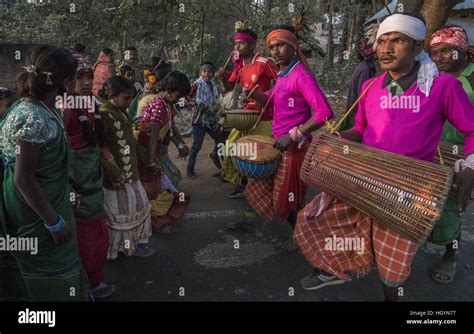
x=256, y=148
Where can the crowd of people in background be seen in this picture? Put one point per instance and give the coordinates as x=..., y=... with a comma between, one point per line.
x=96, y=180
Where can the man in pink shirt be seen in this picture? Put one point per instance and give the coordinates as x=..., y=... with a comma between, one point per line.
x=294, y=94
x=403, y=112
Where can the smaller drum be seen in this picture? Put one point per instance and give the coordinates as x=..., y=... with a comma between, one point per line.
x=242, y=119
x=254, y=156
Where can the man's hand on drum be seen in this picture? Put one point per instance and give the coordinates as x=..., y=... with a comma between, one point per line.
x=350, y=134
x=465, y=184
x=259, y=98
x=283, y=143
x=246, y=95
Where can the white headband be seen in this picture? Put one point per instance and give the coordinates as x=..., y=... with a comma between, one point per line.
x=408, y=25
x=415, y=29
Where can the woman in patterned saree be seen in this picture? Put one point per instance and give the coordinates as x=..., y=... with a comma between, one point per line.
x=157, y=130
x=126, y=204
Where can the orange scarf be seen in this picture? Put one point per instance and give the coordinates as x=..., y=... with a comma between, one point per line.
x=291, y=39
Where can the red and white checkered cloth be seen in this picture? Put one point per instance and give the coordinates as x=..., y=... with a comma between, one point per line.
x=283, y=192
x=454, y=37
x=321, y=221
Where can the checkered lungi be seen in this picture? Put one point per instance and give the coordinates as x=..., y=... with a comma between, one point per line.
x=325, y=217
x=282, y=192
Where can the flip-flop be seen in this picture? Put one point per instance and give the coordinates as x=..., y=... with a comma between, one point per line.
x=444, y=273
x=104, y=292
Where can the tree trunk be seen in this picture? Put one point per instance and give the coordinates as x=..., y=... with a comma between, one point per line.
x=350, y=39
x=123, y=45
x=356, y=24
x=357, y=28
x=330, y=37
x=345, y=46
x=436, y=14
x=268, y=9
x=201, y=56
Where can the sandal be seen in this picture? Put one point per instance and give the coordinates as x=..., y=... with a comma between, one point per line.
x=103, y=290
x=444, y=273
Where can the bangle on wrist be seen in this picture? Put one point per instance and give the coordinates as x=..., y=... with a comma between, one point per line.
x=180, y=146
x=151, y=165
x=296, y=135
x=58, y=227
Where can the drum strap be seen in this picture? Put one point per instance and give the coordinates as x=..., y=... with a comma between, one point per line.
x=441, y=162
x=263, y=110
x=333, y=126
x=236, y=82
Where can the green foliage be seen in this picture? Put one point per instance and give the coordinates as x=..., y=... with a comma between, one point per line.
x=155, y=27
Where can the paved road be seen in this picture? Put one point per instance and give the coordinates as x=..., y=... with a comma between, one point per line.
x=200, y=262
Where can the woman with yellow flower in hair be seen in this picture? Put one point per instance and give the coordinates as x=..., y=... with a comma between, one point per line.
x=154, y=132
x=150, y=92
x=160, y=68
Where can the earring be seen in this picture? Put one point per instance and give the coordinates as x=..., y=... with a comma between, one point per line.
x=48, y=78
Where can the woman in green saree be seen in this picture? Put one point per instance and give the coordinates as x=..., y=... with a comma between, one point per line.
x=36, y=193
